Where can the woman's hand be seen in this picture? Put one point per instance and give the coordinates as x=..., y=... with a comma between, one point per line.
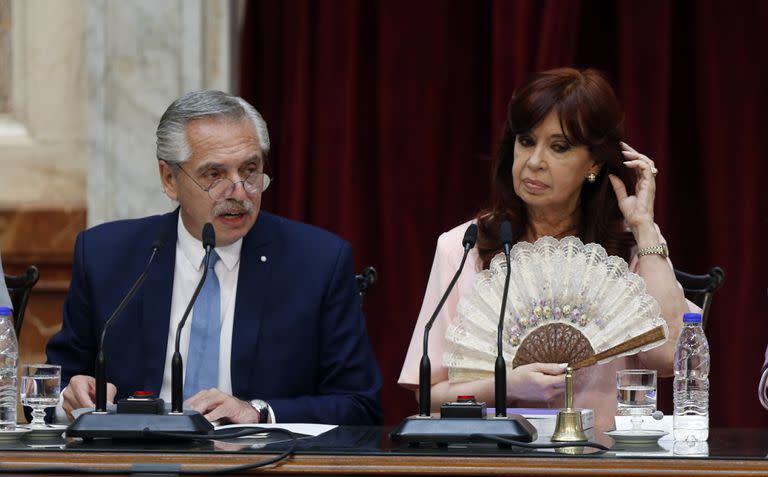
x=638, y=208
x=530, y=382
x=536, y=382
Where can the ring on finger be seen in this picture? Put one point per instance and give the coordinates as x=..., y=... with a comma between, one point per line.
x=654, y=171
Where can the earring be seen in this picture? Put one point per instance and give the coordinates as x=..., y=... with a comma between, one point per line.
x=591, y=177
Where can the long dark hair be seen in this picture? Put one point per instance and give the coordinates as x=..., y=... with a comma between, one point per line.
x=589, y=115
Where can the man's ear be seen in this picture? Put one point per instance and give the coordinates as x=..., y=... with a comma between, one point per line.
x=168, y=179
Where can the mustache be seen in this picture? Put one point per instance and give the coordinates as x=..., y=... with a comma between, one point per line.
x=232, y=206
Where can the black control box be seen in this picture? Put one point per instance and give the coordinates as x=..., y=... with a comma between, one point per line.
x=465, y=407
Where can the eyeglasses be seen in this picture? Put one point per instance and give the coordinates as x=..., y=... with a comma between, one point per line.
x=255, y=183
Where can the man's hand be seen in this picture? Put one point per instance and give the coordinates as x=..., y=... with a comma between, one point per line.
x=219, y=406
x=81, y=392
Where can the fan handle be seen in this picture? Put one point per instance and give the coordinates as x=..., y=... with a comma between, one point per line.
x=655, y=334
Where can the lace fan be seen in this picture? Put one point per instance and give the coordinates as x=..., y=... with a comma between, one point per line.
x=567, y=303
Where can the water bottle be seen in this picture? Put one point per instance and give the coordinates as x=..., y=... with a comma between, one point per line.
x=691, y=385
x=9, y=356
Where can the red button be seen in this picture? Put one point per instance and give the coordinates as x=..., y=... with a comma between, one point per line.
x=465, y=398
x=143, y=394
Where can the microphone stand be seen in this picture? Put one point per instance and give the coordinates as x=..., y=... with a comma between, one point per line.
x=100, y=373
x=425, y=366
x=177, y=366
x=140, y=417
x=500, y=369
x=452, y=426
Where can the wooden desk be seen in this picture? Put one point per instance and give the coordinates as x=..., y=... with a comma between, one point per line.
x=399, y=465
x=733, y=452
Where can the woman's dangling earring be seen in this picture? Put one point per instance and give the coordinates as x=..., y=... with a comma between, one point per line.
x=591, y=177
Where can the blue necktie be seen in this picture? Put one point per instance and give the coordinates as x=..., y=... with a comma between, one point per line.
x=203, y=354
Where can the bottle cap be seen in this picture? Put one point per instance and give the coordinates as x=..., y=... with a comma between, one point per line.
x=5, y=311
x=692, y=318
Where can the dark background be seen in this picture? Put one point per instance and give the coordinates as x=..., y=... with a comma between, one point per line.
x=384, y=116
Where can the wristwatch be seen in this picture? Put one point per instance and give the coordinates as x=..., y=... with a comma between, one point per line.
x=660, y=249
x=263, y=409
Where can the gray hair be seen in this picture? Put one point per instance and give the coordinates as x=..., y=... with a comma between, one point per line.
x=172, y=146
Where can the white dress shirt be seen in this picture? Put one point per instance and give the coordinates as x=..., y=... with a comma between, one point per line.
x=187, y=274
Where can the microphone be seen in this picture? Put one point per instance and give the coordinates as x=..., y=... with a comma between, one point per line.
x=140, y=416
x=177, y=365
x=425, y=366
x=464, y=421
x=500, y=371
x=100, y=372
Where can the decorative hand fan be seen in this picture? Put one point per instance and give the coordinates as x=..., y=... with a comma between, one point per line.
x=567, y=303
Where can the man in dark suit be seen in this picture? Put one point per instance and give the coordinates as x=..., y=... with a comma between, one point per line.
x=290, y=342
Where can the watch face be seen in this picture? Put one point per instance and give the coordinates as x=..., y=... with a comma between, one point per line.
x=263, y=408
x=259, y=404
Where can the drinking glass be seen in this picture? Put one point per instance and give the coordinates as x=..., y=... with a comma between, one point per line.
x=40, y=389
x=636, y=394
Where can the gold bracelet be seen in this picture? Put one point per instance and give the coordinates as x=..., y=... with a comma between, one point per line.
x=660, y=249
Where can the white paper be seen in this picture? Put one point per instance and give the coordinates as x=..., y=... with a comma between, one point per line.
x=312, y=430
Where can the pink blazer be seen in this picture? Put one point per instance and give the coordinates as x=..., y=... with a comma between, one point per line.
x=595, y=387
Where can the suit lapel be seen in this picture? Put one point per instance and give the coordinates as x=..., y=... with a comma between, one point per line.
x=252, y=286
x=156, y=306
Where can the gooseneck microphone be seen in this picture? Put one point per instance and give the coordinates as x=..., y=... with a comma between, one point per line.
x=425, y=367
x=500, y=371
x=177, y=365
x=465, y=421
x=138, y=416
x=100, y=372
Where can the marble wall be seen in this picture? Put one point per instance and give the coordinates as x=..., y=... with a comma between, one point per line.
x=5, y=56
x=86, y=83
x=142, y=55
x=43, y=131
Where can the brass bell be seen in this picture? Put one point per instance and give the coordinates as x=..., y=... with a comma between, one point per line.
x=568, y=427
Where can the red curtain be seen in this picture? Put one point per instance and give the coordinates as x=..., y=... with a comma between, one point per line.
x=384, y=116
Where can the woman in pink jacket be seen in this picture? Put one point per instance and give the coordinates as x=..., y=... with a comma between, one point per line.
x=562, y=169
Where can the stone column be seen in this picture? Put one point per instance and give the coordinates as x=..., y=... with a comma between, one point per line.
x=142, y=55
